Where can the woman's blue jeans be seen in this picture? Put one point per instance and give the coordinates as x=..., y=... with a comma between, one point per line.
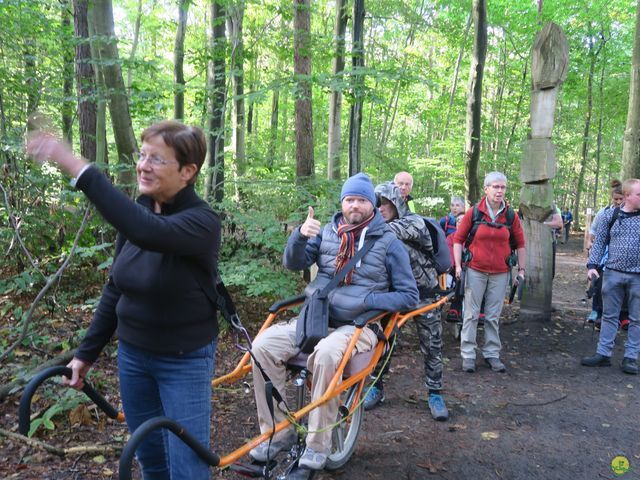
x=176, y=386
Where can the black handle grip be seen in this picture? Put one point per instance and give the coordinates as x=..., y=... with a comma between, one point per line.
x=24, y=414
x=286, y=303
x=124, y=469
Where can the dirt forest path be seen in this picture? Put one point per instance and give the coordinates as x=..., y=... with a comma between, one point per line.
x=545, y=418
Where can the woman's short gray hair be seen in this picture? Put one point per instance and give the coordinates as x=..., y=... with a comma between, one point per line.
x=457, y=199
x=492, y=177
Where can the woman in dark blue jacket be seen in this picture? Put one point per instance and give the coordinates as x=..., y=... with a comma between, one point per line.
x=160, y=295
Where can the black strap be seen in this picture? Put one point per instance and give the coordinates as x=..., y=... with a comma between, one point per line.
x=346, y=269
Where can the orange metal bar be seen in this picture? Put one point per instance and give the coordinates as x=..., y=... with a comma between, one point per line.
x=426, y=308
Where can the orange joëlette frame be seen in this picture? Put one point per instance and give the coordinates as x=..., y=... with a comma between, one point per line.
x=336, y=386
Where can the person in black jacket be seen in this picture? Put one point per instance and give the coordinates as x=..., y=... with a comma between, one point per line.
x=160, y=294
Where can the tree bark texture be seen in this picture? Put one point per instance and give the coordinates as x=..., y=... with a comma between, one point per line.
x=474, y=102
x=235, y=18
x=631, y=143
x=214, y=181
x=302, y=71
x=101, y=15
x=593, y=56
x=178, y=60
x=335, y=99
x=68, y=69
x=357, y=63
x=549, y=60
x=85, y=81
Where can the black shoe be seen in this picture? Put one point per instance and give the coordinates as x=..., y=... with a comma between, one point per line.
x=597, y=360
x=629, y=365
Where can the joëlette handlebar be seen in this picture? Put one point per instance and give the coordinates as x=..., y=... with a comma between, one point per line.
x=27, y=395
x=155, y=423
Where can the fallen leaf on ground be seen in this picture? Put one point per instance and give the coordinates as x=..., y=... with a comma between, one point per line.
x=490, y=435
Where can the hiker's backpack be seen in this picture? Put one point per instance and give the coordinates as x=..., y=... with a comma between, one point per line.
x=477, y=219
x=439, y=256
x=614, y=217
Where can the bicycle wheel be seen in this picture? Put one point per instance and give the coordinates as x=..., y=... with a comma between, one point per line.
x=345, y=435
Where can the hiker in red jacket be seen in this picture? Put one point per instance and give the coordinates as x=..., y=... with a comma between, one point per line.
x=489, y=243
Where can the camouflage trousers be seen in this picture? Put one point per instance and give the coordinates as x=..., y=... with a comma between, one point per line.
x=429, y=328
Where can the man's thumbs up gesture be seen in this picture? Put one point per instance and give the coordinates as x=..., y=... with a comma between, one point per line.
x=311, y=227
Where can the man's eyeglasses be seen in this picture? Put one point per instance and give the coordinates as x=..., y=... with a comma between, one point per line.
x=154, y=160
x=499, y=187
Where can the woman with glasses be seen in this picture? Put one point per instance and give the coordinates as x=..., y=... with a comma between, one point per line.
x=489, y=242
x=160, y=294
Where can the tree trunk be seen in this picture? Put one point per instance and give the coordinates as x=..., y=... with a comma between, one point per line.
x=599, y=137
x=235, y=17
x=537, y=170
x=335, y=100
x=302, y=71
x=101, y=16
x=474, y=102
x=67, y=82
x=214, y=181
x=178, y=60
x=85, y=81
x=454, y=81
x=585, y=137
x=30, y=76
x=134, y=45
x=631, y=143
x=355, y=117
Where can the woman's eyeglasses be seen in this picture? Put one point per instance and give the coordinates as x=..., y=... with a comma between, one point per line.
x=154, y=160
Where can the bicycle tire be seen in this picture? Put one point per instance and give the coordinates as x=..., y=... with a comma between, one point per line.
x=344, y=436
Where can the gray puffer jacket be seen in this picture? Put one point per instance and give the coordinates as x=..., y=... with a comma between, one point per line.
x=382, y=280
x=410, y=228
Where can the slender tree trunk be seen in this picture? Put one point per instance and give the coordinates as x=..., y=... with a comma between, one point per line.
x=474, y=102
x=101, y=16
x=454, y=82
x=178, y=60
x=235, y=17
x=335, y=100
x=302, y=70
x=593, y=55
x=599, y=137
x=355, y=117
x=631, y=144
x=85, y=81
x=67, y=82
x=273, y=127
x=516, y=120
x=30, y=76
x=214, y=182
x=134, y=45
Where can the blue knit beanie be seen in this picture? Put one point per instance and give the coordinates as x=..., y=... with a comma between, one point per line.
x=360, y=186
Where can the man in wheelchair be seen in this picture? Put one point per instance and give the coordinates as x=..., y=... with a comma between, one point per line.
x=382, y=280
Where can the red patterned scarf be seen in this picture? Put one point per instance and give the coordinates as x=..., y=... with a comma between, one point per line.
x=348, y=234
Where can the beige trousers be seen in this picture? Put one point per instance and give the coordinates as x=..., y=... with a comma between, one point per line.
x=275, y=346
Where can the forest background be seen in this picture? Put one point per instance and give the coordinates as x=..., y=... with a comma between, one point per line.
x=294, y=96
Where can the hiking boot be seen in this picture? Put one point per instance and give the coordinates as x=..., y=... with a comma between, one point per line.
x=469, y=365
x=312, y=460
x=438, y=409
x=374, y=397
x=593, y=316
x=629, y=365
x=495, y=364
x=453, y=316
x=624, y=324
x=596, y=360
x=264, y=450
